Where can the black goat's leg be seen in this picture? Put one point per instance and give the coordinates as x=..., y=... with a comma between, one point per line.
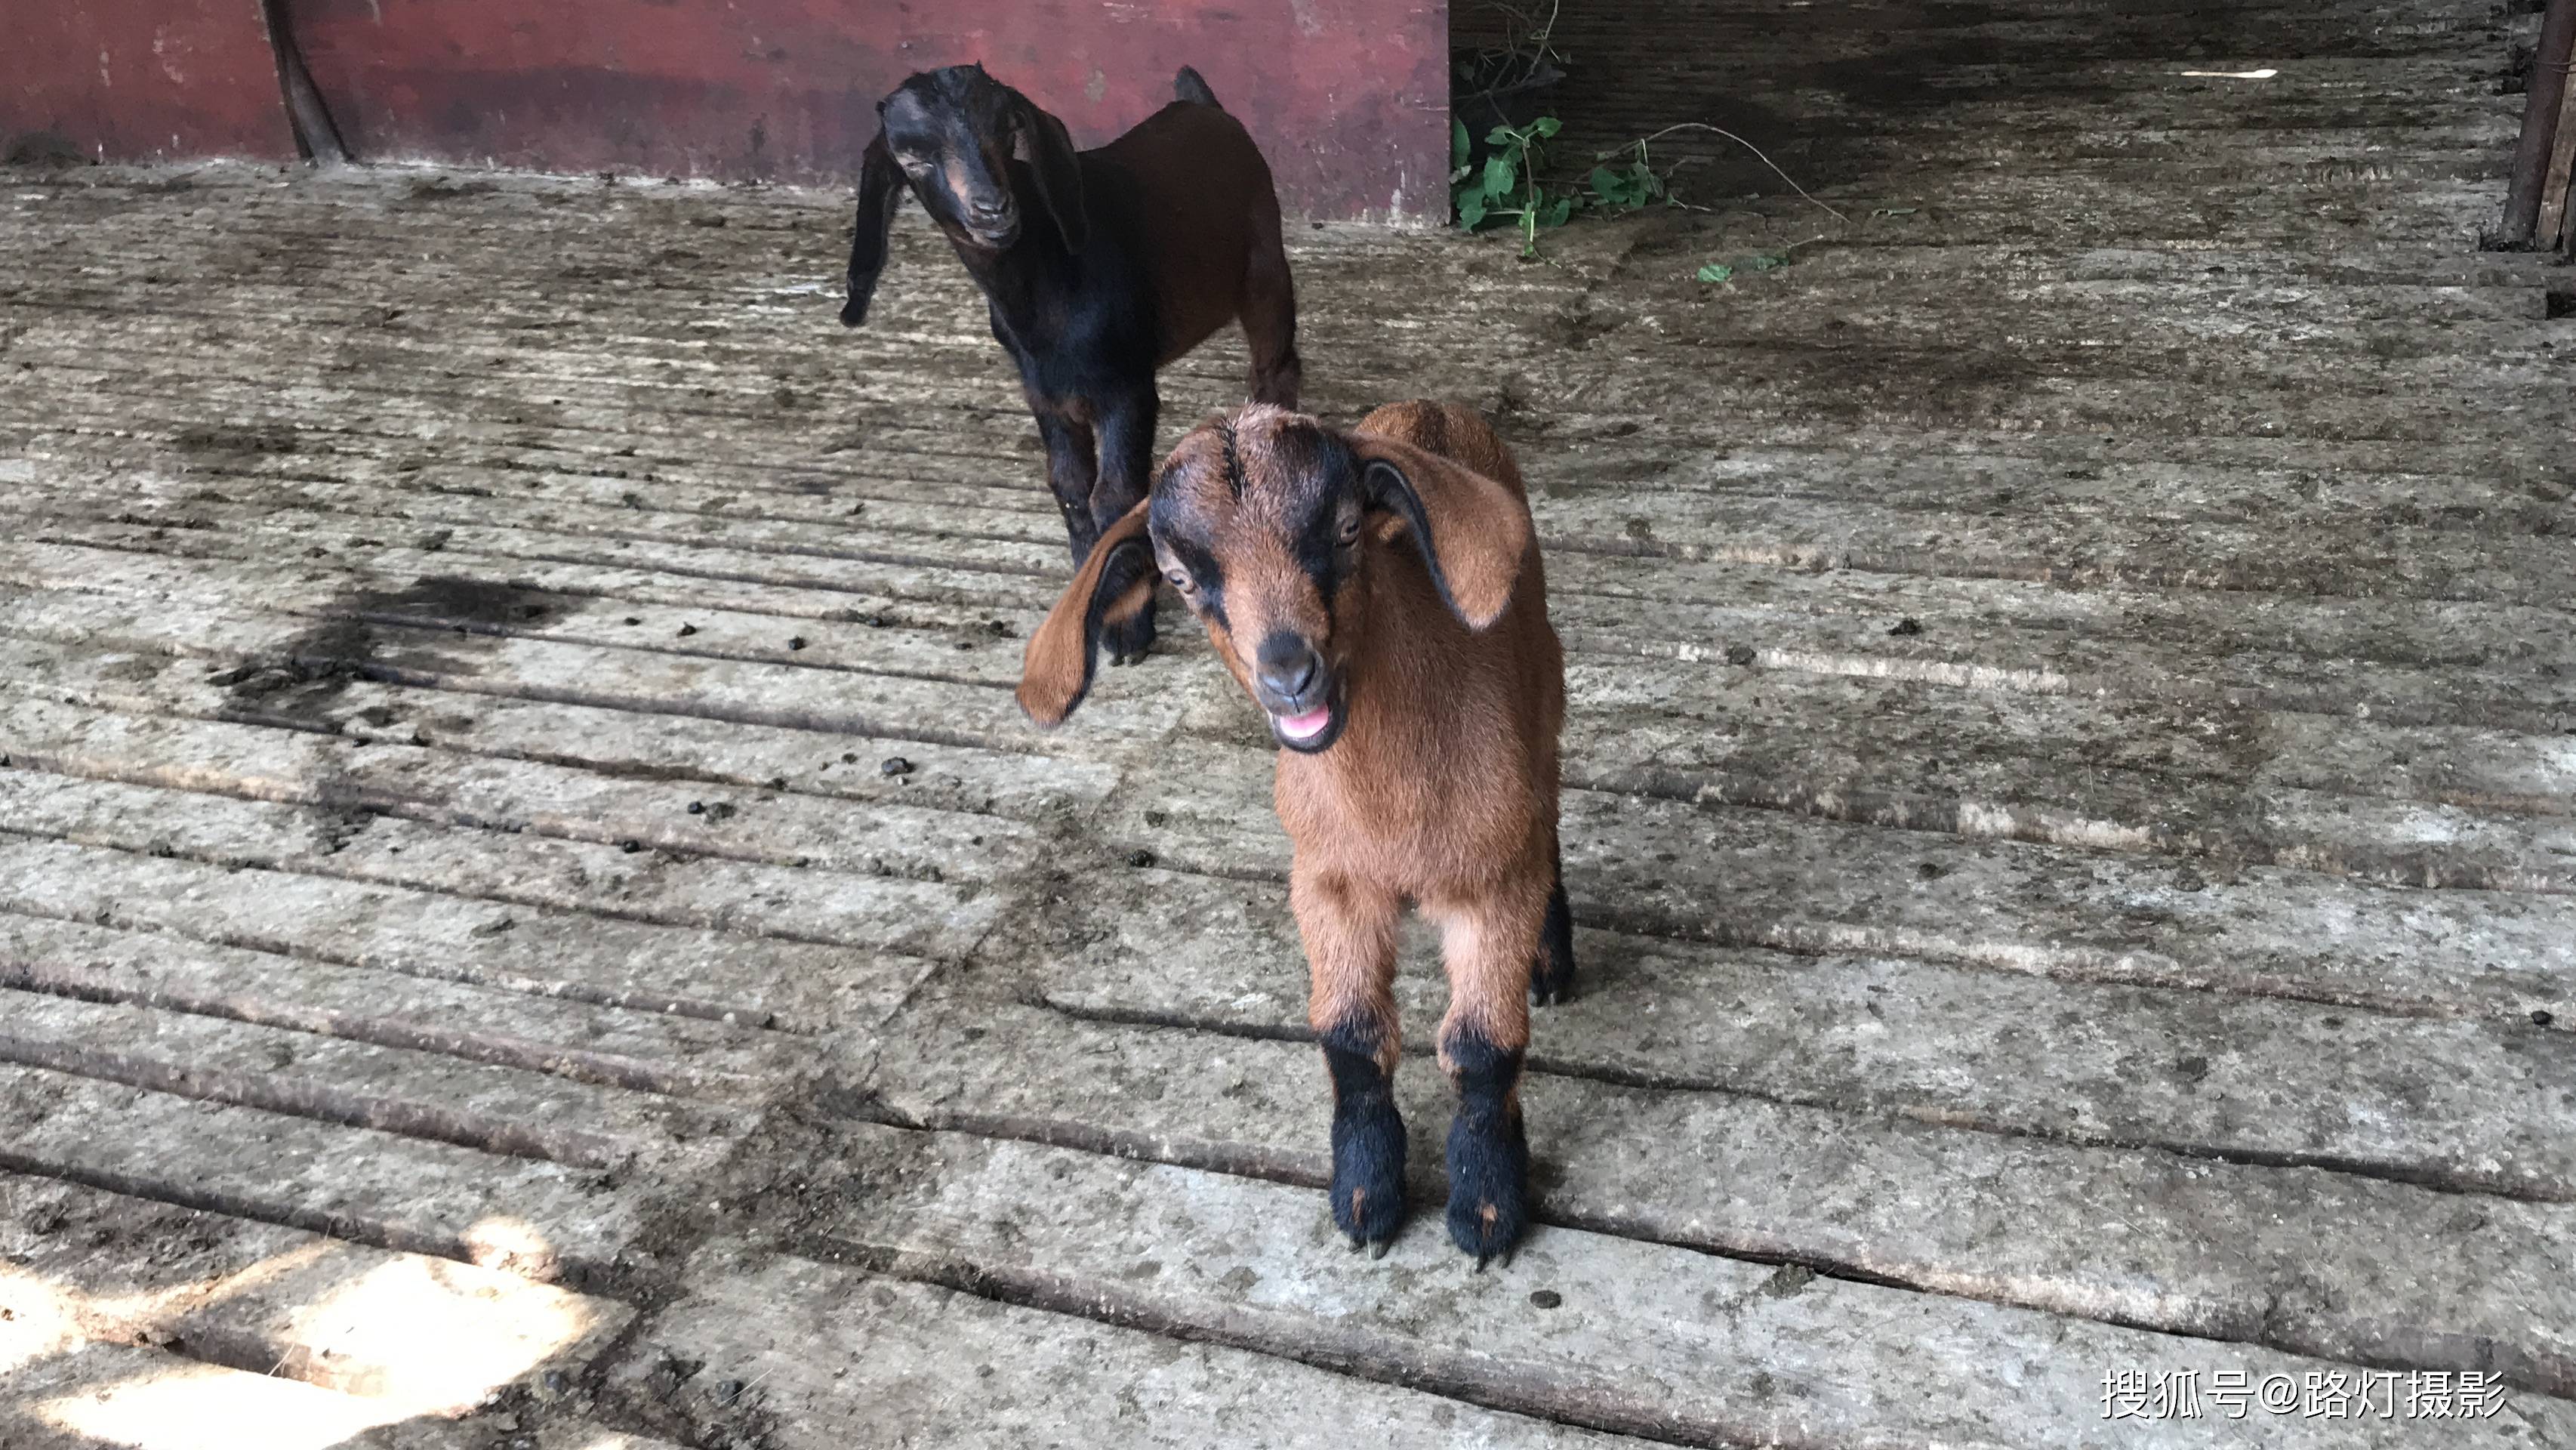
x=1126, y=472
x=1126, y=452
x=1072, y=474
x=1270, y=314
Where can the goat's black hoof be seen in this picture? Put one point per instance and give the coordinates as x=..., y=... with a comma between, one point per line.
x=1368, y=1175
x=1129, y=642
x=1369, y=1217
x=1488, y=1185
x=1550, y=985
x=1552, y=971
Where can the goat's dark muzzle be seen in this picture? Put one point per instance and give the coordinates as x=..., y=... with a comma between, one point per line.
x=992, y=227
x=1298, y=689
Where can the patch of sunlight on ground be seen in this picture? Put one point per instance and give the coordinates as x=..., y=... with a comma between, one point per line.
x=509, y=1243
x=204, y=1407
x=360, y=1339
x=431, y=1335
x=35, y=1326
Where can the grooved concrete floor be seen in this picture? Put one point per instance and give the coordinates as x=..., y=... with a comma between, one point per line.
x=527, y=914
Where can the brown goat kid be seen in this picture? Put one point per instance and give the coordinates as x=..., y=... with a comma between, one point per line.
x=1379, y=594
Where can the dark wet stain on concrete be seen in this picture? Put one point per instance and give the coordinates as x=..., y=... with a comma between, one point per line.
x=434, y=626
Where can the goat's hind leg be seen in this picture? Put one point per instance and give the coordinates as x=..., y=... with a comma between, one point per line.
x=1270, y=315
x=1349, y=931
x=1490, y=943
x=1552, y=974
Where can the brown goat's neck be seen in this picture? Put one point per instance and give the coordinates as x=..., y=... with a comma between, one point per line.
x=1445, y=772
x=1415, y=673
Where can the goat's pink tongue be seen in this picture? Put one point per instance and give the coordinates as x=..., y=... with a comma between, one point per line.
x=1306, y=726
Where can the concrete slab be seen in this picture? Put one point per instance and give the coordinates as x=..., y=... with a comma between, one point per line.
x=2070, y=811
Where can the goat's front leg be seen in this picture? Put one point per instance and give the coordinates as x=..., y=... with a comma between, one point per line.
x=1490, y=942
x=1126, y=472
x=1349, y=931
x=1072, y=473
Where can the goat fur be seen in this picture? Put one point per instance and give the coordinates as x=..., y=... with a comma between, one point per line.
x=1439, y=781
x=1097, y=266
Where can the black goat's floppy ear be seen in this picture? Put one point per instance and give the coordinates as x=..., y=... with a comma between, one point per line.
x=880, y=192
x=1113, y=584
x=1472, y=531
x=1050, y=154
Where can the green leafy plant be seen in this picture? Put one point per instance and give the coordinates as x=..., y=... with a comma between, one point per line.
x=1507, y=186
x=1511, y=186
x=1628, y=187
x=1757, y=262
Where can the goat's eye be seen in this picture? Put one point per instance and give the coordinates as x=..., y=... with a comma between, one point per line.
x=1351, y=529
x=1181, y=580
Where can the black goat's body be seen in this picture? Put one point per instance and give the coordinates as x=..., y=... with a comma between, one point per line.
x=1084, y=330
x=1171, y=231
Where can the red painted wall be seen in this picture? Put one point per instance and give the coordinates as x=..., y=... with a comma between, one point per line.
x=139, y=80
x=1348, y=98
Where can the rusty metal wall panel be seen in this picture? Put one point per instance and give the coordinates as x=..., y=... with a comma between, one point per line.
x=139, y=80
x=1349, y=98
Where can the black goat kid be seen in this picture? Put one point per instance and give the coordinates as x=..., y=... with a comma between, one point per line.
x=1098, y=266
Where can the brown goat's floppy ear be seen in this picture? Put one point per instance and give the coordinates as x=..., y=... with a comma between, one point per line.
x=1114, y=583
x=880, y=191
x=1059, y=172
x=1472, y=531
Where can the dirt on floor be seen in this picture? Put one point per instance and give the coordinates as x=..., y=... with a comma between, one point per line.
x=528, y=915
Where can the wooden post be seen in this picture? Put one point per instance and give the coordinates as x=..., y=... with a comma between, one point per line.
x=2557, y=216
x=2539, y=147
x=315, y=134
